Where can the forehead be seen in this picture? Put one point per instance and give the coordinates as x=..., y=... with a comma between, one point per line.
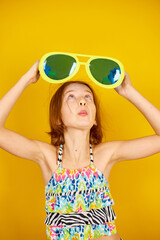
x=75, y=87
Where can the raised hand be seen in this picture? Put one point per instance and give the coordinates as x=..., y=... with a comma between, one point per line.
x=121, y=89
x=33, y=73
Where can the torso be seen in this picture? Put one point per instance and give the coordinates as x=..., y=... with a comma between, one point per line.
x=101, y=162
x=49, y=165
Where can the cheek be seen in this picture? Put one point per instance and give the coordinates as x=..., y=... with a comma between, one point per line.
x=69, y=107
x=94, y=111
x=71, y=104
x=93, y=108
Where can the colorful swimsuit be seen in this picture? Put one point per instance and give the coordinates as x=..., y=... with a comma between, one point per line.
x=78, y=203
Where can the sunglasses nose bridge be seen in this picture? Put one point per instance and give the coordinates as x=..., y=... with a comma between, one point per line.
x=83, y=63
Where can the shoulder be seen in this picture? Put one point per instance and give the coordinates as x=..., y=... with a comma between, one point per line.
x=107, y=150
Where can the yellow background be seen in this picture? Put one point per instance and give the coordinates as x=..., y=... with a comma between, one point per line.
x=125, y=30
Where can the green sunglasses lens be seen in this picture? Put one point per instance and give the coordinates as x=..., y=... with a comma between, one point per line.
x=105, y=71
x=59, y=66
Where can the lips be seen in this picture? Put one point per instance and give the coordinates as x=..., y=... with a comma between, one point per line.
x=83, y=112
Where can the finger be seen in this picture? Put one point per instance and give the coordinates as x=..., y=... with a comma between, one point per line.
x=36, y=64
x=38, y=75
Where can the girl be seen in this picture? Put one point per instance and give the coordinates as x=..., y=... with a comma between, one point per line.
x=76, y=165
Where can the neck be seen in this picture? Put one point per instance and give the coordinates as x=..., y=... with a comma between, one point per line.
x=76, y=149
x=75, y=155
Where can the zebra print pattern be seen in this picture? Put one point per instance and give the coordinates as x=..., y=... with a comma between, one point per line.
x=94, y=216
x=77, y=192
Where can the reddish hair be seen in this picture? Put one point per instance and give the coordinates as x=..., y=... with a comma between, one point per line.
x=57, y=131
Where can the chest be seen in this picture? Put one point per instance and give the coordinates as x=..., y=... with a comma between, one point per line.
x=50, y=166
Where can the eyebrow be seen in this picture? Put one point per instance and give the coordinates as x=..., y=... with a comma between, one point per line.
x=74, y=90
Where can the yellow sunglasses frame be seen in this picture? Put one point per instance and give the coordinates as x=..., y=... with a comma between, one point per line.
x=78, y=63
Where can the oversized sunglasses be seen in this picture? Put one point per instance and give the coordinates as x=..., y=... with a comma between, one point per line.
x=58, y=67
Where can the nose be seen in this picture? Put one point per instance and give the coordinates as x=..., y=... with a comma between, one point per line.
x=82, y=102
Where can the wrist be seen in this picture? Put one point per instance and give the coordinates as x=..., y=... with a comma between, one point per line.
x=25, y=80
x=128, y=91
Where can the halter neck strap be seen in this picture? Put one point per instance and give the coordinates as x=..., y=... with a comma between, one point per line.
x=60, y=154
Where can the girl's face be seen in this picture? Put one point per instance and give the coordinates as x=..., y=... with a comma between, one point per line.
x=77, y=97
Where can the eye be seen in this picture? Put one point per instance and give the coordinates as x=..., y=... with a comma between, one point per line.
x=89, y=97
x=73, y=95
x=70, y=95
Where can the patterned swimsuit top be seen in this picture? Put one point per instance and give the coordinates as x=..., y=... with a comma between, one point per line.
x=78, y=203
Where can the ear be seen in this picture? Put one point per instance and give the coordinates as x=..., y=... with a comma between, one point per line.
x=58, y=122
x=95, y=123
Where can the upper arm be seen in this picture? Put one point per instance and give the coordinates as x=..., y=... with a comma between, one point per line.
x=20, y=146
x=135, y=148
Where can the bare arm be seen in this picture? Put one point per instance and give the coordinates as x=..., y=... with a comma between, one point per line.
x=11, y=141
x=144, y=146
x=135, y=148
x=149, y=111
x=10, y=98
